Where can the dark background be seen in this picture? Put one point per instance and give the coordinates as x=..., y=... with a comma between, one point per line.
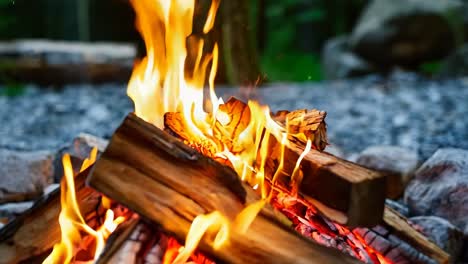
x=288, y=34
x=281, y=40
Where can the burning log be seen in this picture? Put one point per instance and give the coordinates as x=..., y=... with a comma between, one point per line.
x=37, y=230
x=344, y=191
x=172, y=183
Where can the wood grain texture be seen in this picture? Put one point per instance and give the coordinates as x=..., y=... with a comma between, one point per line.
x=169, y=183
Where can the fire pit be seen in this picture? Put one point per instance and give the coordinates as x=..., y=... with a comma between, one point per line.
x=189, y=178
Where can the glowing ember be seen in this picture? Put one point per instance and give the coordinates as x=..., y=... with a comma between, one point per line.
x=73, y=226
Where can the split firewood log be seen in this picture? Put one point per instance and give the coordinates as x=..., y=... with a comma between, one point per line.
x=159, y=177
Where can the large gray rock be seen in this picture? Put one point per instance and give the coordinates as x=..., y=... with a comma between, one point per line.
x=338, y=62
x=24, y=175
x=442, y=232
x=455, y=65
x=440, y=187
x=408, y=32
x=389, y=158
x=397, y=162
x=79, y=150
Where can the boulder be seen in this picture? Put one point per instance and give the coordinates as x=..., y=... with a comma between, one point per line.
x=24, y=175
x=335, y=150
x=338, y=62
x=455, y=65
x=442, y=232
x=397, y=162
x=78, y=150
x=408, y=32
x=440, y=187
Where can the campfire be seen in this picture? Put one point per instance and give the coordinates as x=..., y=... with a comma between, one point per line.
x=189, y=178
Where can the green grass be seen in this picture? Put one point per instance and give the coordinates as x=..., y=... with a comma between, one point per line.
x=12, y=89
x=430, y=68
x=291, y=67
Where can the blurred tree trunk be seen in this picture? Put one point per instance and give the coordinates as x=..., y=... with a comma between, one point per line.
x=238, y=50
x=261, y=25
x=83, y=19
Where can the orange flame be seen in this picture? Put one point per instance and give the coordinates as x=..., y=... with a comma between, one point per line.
x=159, y=84
x=71, y=221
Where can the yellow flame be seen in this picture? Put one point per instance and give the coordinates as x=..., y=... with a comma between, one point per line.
x=296, y=177
x=200, y=225
x=171, y=79
x=71, y=221
x=160, y=84
x=217, y=222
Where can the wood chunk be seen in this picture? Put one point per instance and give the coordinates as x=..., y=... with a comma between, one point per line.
x=408, y=233
x=169, y=183
x=37, y=230
x=233, y=118
x=344, y=191
x=305, y=125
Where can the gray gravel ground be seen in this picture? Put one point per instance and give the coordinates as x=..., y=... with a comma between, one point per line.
x=403, y=109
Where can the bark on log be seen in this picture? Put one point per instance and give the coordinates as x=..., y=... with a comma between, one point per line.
x=344, y=191
x=170, y=183
x=37, y=230
x=408, y=233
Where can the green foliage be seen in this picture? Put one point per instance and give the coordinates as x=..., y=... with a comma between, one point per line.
x=12, y=89
x=292, y=67
x=284, y=17
x=282, y=59
x=6, y=20
x=430, y=68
